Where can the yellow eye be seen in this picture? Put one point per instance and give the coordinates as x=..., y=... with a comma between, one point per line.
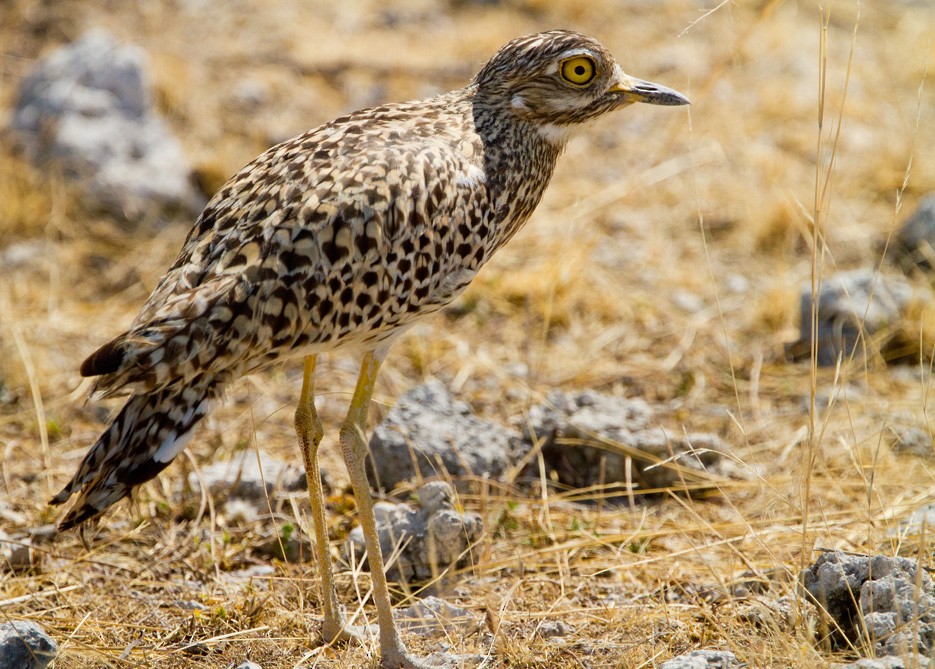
x=579, y=70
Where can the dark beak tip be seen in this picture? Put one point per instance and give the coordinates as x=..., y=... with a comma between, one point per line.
x=656, y=94
x=666, y=97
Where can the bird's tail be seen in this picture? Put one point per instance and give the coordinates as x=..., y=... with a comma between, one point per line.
x=150, y=430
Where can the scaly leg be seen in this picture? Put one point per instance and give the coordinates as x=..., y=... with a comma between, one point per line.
x=309, y=430
x=393, y=654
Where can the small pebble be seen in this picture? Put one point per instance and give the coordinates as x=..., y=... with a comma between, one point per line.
x=703, y=659
x=191, y=605
x=554, y=628
x=247, y=664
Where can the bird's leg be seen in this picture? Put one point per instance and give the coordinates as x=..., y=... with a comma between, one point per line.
x=309, y=430
x=393, y=652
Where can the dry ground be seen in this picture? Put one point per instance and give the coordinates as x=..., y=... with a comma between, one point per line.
x=664, y=263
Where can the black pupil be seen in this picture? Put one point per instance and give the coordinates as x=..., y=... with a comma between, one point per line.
x=579, y=70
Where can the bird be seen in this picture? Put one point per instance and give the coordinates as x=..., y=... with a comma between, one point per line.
x=341, y=239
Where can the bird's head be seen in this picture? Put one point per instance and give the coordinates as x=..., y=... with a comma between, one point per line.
x=559, y=79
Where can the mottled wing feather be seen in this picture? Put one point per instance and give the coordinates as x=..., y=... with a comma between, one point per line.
x=320, y=241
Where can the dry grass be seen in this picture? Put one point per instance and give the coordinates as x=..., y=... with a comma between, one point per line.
x=650, y=211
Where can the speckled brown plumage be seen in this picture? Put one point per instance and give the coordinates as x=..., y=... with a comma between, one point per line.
x=341, y=238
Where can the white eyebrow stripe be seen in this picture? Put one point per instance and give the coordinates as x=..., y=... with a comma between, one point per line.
x=577, y=51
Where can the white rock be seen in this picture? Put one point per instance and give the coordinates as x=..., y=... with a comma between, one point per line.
x=87, y=108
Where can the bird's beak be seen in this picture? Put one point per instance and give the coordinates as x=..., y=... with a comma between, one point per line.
x=637, y=90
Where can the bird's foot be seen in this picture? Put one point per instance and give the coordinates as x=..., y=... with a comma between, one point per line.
x=407, y=661
x=339, y=632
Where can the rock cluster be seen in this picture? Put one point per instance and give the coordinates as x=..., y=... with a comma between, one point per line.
x=430, y=538
x=885, y=603
x=429, y=433
x=855, y=309
x=914, y=244
x=87, y=110
x=588, y=438
x=862, y=309
x=704, y=659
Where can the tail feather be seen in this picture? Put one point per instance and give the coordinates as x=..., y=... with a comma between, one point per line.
x=147, y=434
x=176, y=338
x=105, y=360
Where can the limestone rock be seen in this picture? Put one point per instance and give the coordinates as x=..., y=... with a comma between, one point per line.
x=87, y=109
x=914, y=243
x=433, y=536
x=891, y=599
x=429, y=431
x=587, y=438
x=703, y=659
x=852, y=307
